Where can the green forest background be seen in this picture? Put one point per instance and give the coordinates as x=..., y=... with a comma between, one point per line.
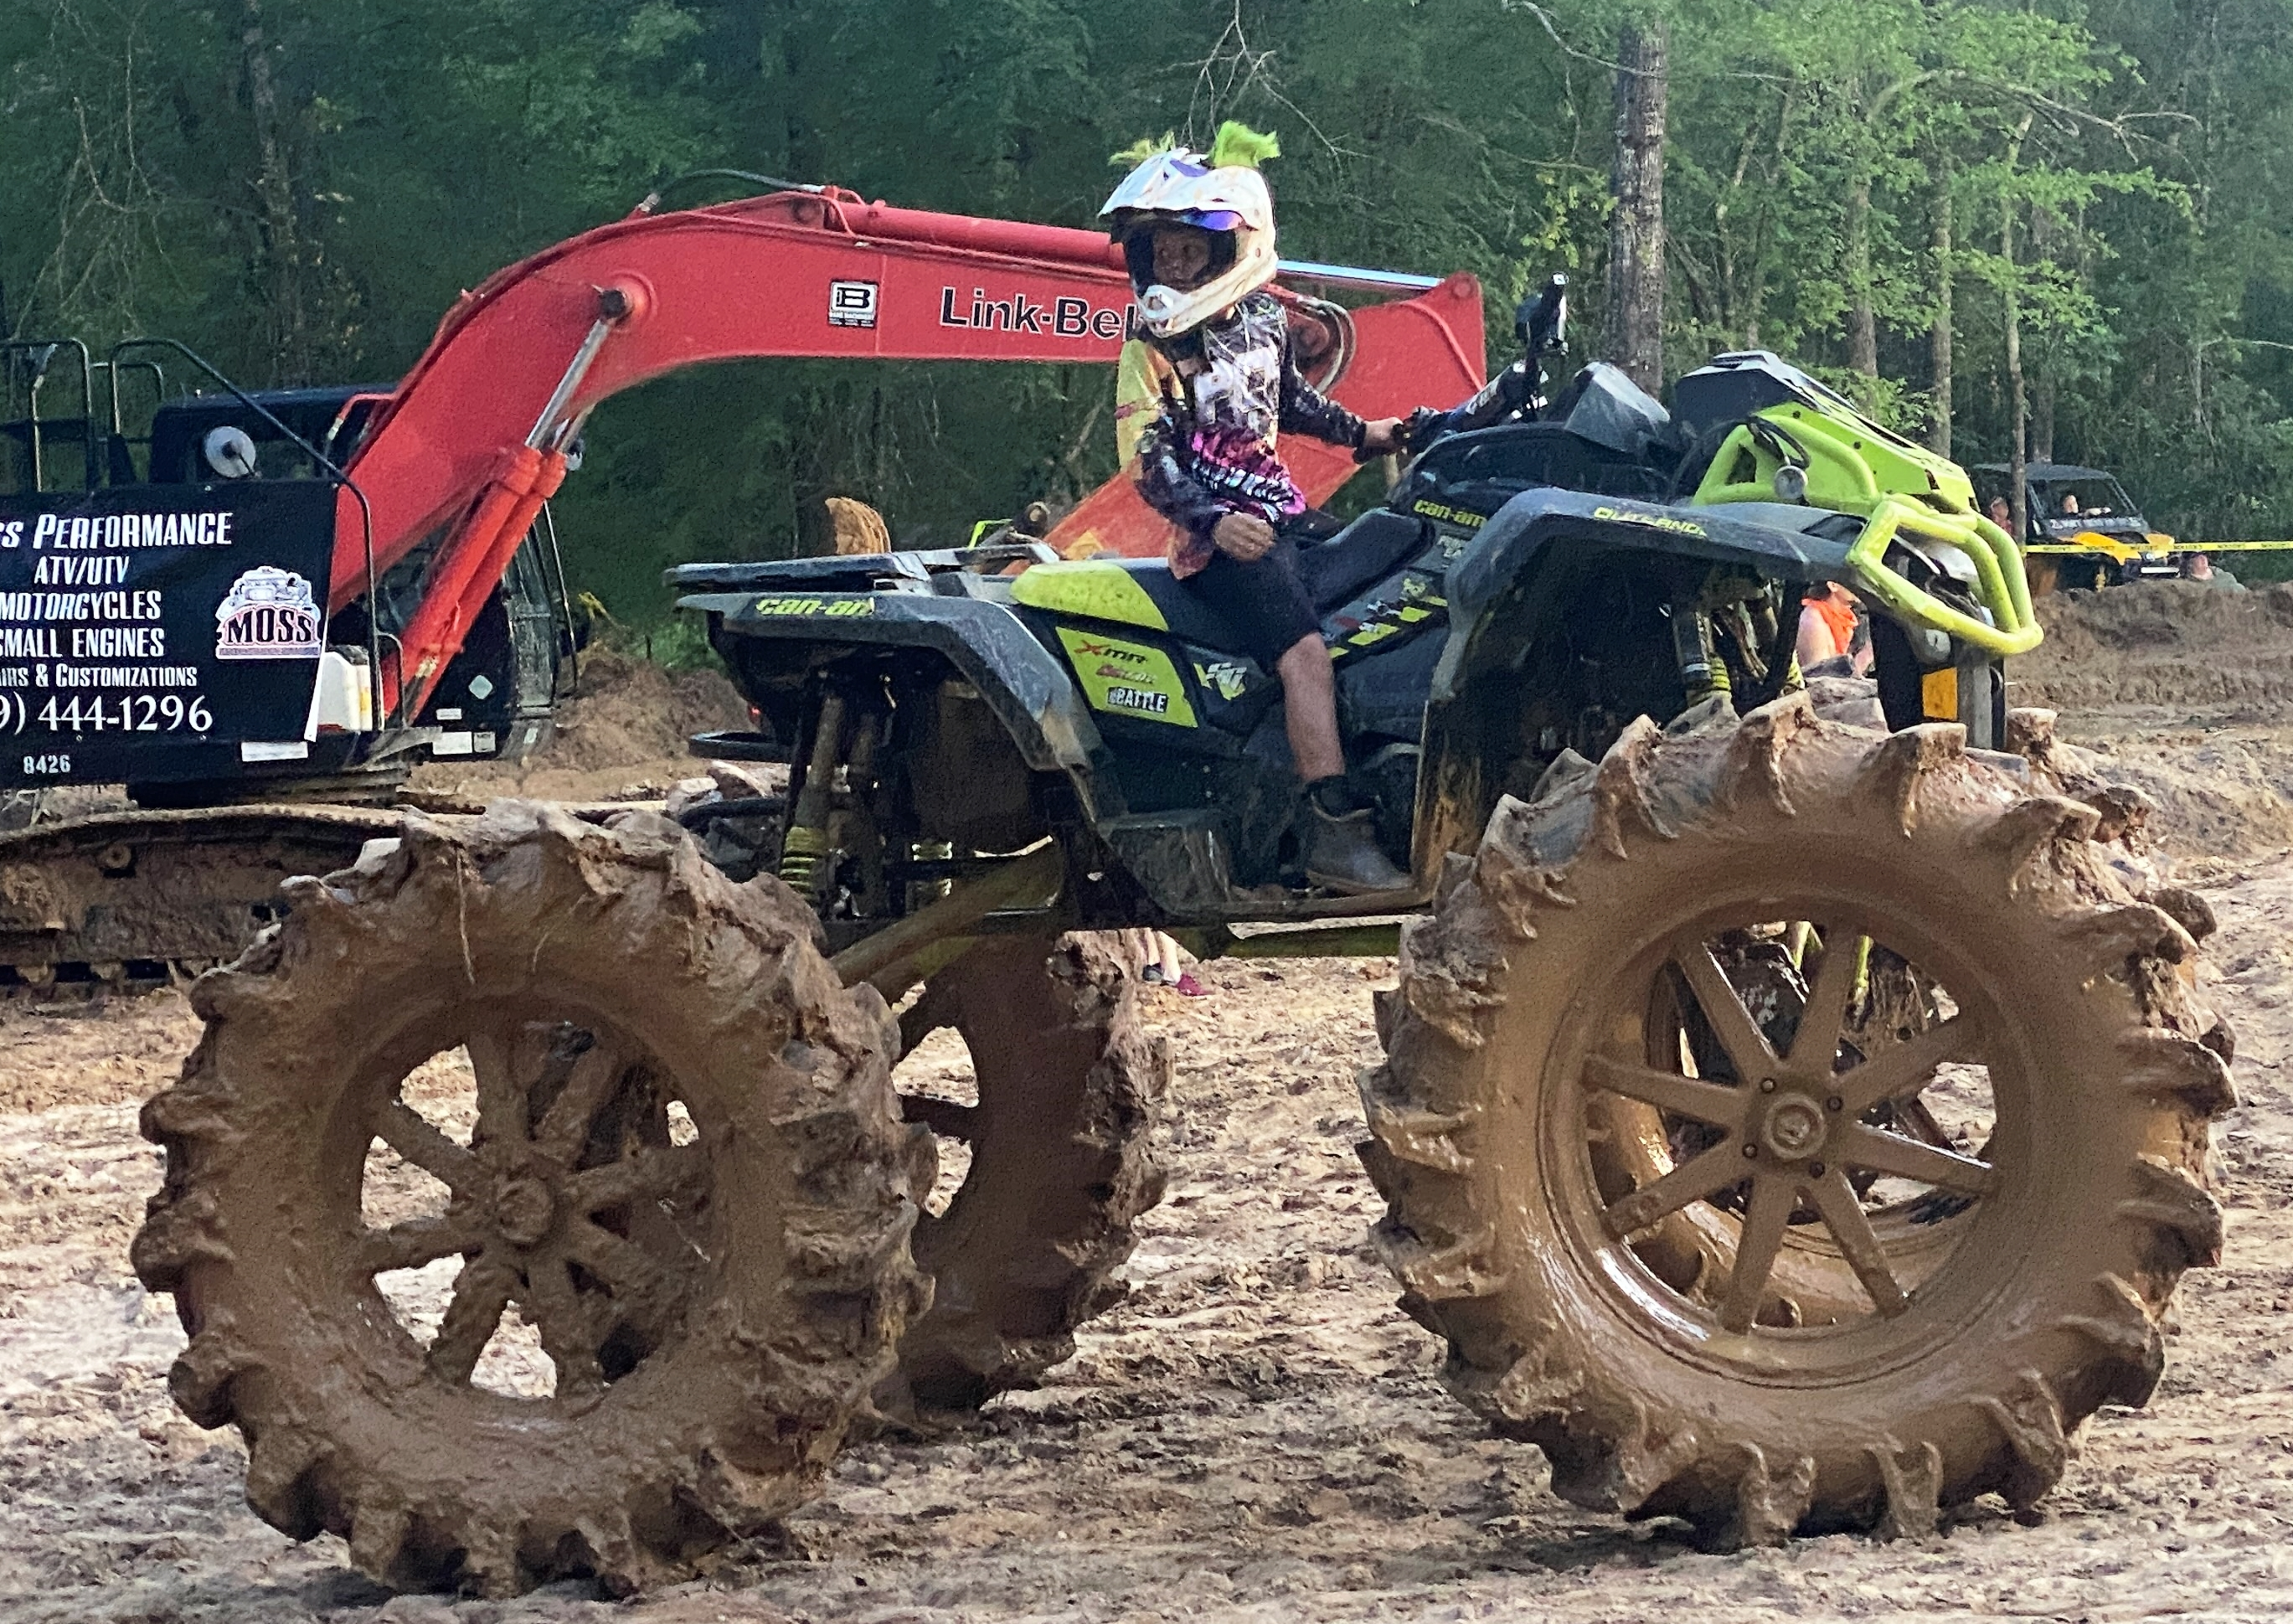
x=299, y=189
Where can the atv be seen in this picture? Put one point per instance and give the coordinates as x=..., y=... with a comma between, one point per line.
x=1789, y=1120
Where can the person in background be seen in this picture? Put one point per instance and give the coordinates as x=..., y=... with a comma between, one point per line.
x=1160, y=962
x=2197, y=566
x=2002, y=514
x=1827, y=645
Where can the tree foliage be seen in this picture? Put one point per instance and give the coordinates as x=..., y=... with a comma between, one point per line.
x=300, y=188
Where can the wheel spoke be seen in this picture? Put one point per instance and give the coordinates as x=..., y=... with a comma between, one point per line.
x=622, y=1265
x=481, y=1293
x=645, y=1294
x=1843, y=1215
x=501, y=1094
x=414, y=1242
x=944, y=1117
x=1714, y=1103
x=570, y=1327
x=1814, y=1050
x=1876, y=1150
x=1905, y=1068
x=1739, y=1035
x=676, y=1173
x=1912, y=1118
x=404, y=1130
x=565, y=1125
x=1765, y=1218
x=1693, y=1179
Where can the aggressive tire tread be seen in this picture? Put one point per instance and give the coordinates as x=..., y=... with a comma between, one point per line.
x=1497, y=955
x=439, y=1485
x=1069, y=1087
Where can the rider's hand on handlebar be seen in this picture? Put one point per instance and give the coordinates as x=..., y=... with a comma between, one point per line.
x=1244, y=537
x=1380, y=436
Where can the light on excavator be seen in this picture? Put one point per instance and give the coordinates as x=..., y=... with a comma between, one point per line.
x=230, y=452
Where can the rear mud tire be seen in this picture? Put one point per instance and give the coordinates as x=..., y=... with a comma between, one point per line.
x=1562, y=1335
x=1069, y=1087
x=767, y=1316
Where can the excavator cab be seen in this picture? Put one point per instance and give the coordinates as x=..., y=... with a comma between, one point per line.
x=123, y=640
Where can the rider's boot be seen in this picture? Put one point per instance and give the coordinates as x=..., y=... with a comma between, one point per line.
x=1341, y=851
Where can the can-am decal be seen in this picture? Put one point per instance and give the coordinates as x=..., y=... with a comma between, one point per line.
x=833, y=608
x=1445, y=514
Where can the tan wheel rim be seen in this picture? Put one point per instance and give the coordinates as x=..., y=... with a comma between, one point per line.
x=582, y=1198
x=1781, y=1216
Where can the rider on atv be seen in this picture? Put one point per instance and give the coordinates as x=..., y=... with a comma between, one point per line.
x=1198, y=233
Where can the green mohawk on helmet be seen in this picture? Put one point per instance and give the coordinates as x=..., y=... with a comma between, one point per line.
x=1238, y=146
x=1145, y=149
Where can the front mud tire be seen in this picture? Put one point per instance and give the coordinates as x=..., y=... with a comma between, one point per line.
x=717, y=1308
x=1853, y=1382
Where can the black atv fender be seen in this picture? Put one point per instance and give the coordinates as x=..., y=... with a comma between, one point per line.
x=1028, y=690
x=1501, y=603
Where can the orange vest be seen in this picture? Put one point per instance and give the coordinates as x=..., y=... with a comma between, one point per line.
x=1840, y=617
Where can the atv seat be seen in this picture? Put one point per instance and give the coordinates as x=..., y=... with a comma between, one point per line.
x=1361, y=554
x=1333, y=572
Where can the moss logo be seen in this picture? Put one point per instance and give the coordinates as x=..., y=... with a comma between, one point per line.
x=269, y=614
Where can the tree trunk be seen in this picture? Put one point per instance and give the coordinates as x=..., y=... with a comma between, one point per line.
x=281, y=247
x=2017, y=395
x=1755, y=303
x=2017, y=399
x=793, y=30
x=2042, y=385
x=1634, y=335
x=1862, y=321
x=1938, y=338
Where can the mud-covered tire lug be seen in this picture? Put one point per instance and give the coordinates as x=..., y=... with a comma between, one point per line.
x=716, y=1299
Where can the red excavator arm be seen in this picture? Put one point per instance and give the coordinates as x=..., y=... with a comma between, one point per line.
x=472, y=441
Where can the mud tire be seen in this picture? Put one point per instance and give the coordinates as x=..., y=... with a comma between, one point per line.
x=2057, y=1310
x=731, y=1417
x=1070, y=1087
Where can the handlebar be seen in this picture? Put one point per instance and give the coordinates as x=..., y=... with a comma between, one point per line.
x=1541, y=320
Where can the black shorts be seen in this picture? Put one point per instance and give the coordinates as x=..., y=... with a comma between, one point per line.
x=1264, y=600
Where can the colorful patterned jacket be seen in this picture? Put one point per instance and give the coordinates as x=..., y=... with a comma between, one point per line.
x=1234, y=389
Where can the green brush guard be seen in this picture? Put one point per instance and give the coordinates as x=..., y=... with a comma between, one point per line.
x=1851, y=464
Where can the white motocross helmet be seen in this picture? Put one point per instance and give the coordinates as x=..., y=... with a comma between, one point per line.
x=1183, y=188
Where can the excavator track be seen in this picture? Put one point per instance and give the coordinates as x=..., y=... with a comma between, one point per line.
x=129, y=900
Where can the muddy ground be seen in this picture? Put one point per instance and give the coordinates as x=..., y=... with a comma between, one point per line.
x=1258, y=1434
x=621, y=735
